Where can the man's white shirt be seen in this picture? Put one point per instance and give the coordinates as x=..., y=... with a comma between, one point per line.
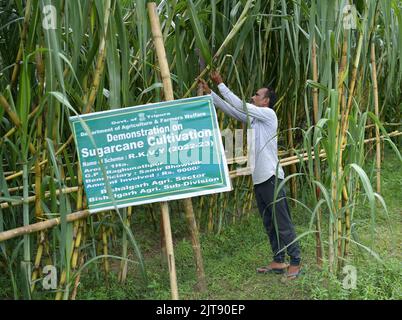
x=264, y=122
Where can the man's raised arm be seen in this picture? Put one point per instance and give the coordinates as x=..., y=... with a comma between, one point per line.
x=223, y=105
x=265, y=114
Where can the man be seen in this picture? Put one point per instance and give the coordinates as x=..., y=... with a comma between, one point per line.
x=267, y=173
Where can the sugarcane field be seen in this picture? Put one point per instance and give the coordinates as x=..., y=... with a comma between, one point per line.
x=200, y=150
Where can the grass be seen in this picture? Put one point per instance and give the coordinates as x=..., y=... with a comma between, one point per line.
x=231, y=257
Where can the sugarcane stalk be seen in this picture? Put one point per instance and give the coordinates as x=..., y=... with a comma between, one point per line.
x=101, y=59
x=336, y=167
x=152, y=215
x=77, y=233
x=77, y=280
x=23, y=38
x=210, y=214
x=339, y=212
x=104, y=238
x=293, y=169
x=14, y=129
x=79, y=225
x=37, y=261
x=200, y=207
x=250, y=201
x=80, y=206
x=15, y=119
x=76, y=243
x=123, y=265
x=38, y=207
x=164, y=253
x=193, y=229
x=63, y=278
x=352, y=87
x=376, y=111
x=192, y=225
x=347, y=224
x=7, y=108
x=344, y=127
x=319, y=244
x=82, y=260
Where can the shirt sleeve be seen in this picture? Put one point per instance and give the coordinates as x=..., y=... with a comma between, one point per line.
x=264, y=114
x=227, y=108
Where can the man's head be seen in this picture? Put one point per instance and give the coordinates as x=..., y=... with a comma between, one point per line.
x=264, y=98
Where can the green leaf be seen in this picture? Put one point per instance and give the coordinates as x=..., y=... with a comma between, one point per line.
x=200, y=39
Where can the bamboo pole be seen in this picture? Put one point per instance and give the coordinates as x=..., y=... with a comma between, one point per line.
x=395, y=133
x=38, y=206
x=376, y=111
x=23, y=38
x=39, y=226
x=100, y=60
x=168, y=91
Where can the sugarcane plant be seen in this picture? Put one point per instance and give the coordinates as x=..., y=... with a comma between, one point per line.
x=335, y=84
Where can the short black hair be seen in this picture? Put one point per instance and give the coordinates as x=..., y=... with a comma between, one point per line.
x=272, y=97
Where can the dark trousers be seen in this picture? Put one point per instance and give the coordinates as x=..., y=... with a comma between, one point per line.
x=277, y=222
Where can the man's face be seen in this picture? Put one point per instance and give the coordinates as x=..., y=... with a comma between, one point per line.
x=260, y=99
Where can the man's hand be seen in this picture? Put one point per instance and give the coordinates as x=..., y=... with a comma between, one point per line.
x=205, y=86
x=216, y=77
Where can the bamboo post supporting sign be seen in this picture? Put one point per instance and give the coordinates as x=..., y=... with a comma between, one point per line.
x=188, y=206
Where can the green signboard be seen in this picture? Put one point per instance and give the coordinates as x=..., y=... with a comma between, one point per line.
x=155, y=152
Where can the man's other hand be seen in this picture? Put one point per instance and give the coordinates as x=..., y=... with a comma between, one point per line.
x=216, y=77
x=205, y=86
